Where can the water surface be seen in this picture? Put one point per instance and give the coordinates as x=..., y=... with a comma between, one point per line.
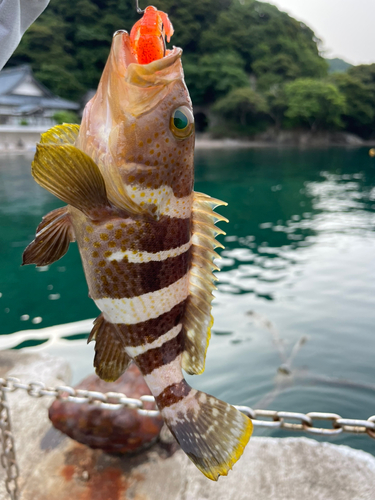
x=296, y=289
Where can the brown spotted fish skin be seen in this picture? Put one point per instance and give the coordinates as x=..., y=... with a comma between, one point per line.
x=137, y=286
x=146, y=241
x=127, y=258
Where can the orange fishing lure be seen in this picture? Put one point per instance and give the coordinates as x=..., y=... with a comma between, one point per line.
x=147, y=37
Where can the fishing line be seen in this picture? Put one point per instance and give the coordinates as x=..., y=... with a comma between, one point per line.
x=139, y=10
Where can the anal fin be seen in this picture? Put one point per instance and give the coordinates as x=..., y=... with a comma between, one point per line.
x=110, y=360
x=53, y=236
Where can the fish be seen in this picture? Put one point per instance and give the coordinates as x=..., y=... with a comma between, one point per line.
x=147, y=241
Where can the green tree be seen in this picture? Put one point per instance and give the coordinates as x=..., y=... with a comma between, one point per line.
x=316, y=103
x=74, y=37
x=213, y=76
x=243, y=107
x=66, y=117
x=274, y=46
x=277, y=103
x=359, y=116
x=192, y=19
x=61, y=80
x=68, y=45
x=358, y=86
x=364, y=72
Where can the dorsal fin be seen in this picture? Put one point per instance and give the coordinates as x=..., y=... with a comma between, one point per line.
x=198, y=319
x=110, y=359
x=53, y=236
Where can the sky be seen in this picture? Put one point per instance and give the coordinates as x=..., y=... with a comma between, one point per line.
x=347, y=27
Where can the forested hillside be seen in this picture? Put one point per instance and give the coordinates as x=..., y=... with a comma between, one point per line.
x=337, y=65
x=245, y=61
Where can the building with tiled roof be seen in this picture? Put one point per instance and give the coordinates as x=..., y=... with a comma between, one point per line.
x=24, y=100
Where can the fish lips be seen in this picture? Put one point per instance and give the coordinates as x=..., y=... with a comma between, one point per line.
x=160, y=72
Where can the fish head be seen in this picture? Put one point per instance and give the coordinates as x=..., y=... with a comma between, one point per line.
x=139, y=129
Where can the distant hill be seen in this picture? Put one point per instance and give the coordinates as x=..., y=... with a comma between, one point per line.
x=337, y=65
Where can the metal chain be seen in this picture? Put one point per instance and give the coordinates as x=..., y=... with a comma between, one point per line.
x=8, y=452
x=305, y=422
x=276, y=419
x=286, y=420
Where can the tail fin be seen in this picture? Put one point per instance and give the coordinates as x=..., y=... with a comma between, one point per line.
x=212, y=433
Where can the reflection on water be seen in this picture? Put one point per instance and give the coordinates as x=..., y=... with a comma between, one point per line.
x=294, y=310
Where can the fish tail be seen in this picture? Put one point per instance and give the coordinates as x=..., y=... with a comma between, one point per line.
x=212, y=433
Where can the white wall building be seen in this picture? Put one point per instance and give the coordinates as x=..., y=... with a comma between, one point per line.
x=25, y=101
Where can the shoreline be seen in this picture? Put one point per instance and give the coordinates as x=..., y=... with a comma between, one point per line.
x=229, y=144
x=281, y=140
x=272, y=138
x=205, y=144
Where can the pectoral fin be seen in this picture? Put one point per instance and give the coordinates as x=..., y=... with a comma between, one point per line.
x=72, y=176
x=198, y=319
x=61, y=134
x=52, y=239
x=110, y=360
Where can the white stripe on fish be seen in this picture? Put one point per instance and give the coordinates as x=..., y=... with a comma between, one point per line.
x=136, y=351
x=161, y=378
x=164, y=198
x=139, y=257
x=144, y=307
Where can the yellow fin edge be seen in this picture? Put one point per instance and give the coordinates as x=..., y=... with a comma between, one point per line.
x=223, y=468
x=61, y=134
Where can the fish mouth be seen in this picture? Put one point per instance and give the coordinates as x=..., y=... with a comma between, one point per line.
x=127, y=91
x=160, y=72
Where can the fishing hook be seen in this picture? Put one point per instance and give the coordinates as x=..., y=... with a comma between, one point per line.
x=139, y=10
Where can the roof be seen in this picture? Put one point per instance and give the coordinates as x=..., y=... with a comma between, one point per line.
x=12, y=78
x=9, y=79
x=28, y=109
x=45, y=102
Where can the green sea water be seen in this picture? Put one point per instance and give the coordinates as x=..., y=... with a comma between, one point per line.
x=295, y=306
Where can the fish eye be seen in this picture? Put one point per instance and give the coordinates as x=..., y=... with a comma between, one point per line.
x=182, y=122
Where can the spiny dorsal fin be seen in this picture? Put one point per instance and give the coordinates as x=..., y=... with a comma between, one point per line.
x=61, y=134
x=52, y=239
x=110, y=360
x=72, y=176
x=198, y=319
